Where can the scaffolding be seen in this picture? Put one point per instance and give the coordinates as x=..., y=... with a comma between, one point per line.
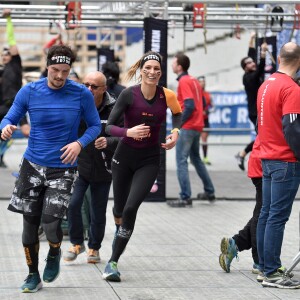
x=108, y=20
x=218, y=14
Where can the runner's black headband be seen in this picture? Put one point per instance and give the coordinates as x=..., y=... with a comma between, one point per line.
x=59, y=59
x=150, y=57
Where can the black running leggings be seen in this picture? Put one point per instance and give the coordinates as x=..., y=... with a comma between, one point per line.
x=134, y=172
x=246, y=238
x=30, y=239
x=50, y=224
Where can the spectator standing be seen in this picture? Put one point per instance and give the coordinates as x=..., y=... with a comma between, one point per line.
x=11, y=79
x=245, y=239
x=136, y=161
x=278, y=108
x=74, y=76
x=111, y=71
x=94, y=167
x=252, y=79
x=48, y=168
x=208, y=107
x=190, y=97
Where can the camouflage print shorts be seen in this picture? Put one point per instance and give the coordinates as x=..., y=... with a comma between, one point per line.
x=42, y=190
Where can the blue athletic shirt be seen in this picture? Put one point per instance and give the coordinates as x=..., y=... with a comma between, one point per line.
x=55, y=117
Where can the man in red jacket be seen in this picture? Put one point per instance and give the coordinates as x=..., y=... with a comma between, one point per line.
x=278, y=111
x=190, y=97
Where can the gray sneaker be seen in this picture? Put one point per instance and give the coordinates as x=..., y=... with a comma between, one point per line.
x=180, y=203
x=279, y=280
x=260, y=277
x=93, y=256
x=255, y=268
x=282, y=270
x=73, y=252
x=206, y=196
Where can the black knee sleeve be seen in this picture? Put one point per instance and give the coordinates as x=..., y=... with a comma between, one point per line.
x=30, y=229
x=52, y=228
x=124, y=233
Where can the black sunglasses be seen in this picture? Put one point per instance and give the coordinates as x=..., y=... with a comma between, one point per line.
x=93, y=87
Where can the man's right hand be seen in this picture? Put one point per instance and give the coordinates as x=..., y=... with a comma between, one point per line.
x=7, y=132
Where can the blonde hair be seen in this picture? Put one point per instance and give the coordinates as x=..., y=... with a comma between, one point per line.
x=137, y=65
x=132, y=71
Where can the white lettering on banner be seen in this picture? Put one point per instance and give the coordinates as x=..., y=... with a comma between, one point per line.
x=242, y=115
x=102, y=60
x=226, y=112
x=220, y=116
x=229, y=98
x=230, y=111
x=155, y=41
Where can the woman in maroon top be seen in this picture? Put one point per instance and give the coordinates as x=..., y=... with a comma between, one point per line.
x=136, y=161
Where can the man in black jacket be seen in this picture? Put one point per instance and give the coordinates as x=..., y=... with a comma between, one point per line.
x=11, y=75
x=252, y=79
x=94, y=167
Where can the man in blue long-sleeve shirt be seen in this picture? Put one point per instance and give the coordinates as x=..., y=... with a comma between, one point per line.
x=42, y=193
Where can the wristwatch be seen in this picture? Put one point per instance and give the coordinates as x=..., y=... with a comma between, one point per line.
x=176, y=129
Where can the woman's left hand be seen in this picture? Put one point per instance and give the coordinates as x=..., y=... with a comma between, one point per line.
x=171, y=141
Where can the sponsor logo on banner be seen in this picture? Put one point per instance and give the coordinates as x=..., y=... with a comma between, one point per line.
x=230, y=111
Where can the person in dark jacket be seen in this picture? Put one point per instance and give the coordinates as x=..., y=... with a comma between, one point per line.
x=11, y=75
x=111, y=71
x=94, y=167
x=252, y=79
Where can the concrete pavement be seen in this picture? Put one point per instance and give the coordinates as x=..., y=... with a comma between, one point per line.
x=230, y=182
x=172, y=255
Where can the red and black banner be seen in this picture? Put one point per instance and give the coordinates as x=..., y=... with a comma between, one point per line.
x=156, y=39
